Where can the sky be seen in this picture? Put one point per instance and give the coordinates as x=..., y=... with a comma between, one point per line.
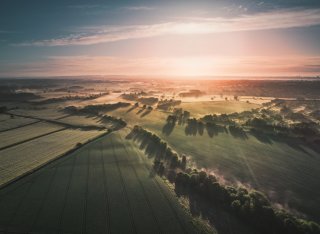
x=167, y=38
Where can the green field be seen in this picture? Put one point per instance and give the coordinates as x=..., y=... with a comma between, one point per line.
x=6, y=122
x=198, y=109
x=17, y=160
x=104, y=187
x=24, y=133
x=286, y=171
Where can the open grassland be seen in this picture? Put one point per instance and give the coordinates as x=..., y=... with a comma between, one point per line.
x=104, y=187
x=284, y=170
x=17, y=135
x=6, y=122
x=23, y=158
x=198, y=109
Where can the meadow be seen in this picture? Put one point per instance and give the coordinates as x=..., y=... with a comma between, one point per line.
x=284, y=170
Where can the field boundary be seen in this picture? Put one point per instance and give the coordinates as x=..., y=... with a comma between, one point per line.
x=31, y=139
x=54, y=159
x=56, y=121
x=21, y=126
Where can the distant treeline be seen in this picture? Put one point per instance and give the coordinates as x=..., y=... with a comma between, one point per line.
x=192, y=93
x=71, y=98
x=251, y=207
x=10, y=94
x=95, y=109
x=167, y=104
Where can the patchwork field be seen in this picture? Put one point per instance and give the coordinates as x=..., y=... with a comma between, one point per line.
x=6, y=122
x=104, y=187
x=23, y=158
x=24, y=133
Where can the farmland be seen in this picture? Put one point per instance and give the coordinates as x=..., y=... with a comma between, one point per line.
x=6, y=122
x=24, y=133
x=255, y=142
x=90, y=191
x=23, y=158
x=250, y=162
x=212, y=107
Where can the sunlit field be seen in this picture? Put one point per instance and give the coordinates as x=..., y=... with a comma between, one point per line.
x=226, y=137
x=167, y=117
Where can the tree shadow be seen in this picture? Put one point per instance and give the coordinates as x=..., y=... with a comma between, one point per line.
x=168, y=128
x=140, y=111
x=131, y=109
x=215, y=130
x=238, y=132
x=145, y=113
x=217, y=216
x=292, y=142
x=260, y=136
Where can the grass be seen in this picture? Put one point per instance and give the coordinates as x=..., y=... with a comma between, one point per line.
x=198, y=109
x=284, y=170
x=27, y=132
x=104, y=187
x=23, y=158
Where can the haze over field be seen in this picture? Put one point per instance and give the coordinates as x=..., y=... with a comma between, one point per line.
x=160, y=116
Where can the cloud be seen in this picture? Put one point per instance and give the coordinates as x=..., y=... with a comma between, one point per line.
x=190, y=26
x=139, y=8
x=160, y=67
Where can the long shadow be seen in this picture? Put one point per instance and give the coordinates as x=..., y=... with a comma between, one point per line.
x=168, y=128
x=145, y=113
x=260, y=136
x=215, y=130
x=131, y=109
x=139, y=111
x=292, y=142
x=222, y=220
x=238, y=132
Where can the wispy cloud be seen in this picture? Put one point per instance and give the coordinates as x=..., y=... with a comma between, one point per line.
x=139, y=8
x=261, y=21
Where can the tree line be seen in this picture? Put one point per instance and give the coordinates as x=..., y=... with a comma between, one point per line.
x=251, y=207
x=95, y=109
